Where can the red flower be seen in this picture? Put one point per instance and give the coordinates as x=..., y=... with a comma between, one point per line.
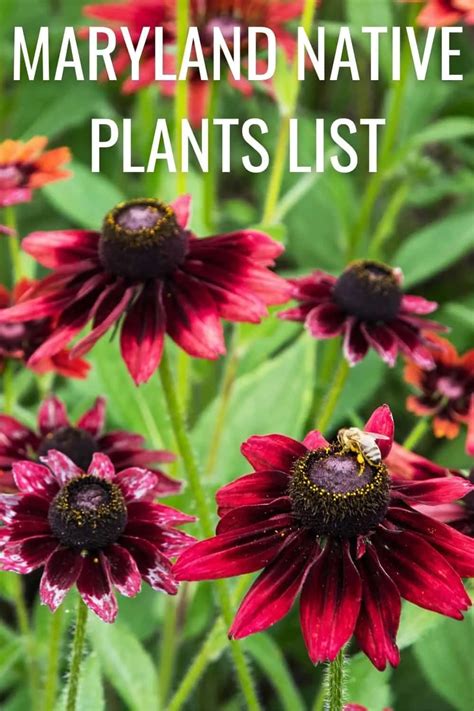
x=205, y=15
x=79, y=442
x=367, y=306
x=445, y=392
x=404, y=465
x=147, y=268
x=324, y=520
x=25, y=167
x=437, y=13
x=98, y=530
x=19, y=340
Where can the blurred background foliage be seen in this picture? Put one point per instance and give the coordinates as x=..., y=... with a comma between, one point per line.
x=424, y=221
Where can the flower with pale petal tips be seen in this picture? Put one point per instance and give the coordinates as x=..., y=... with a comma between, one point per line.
x=19, y=340
x=146, y=272
x=79, y=441
x=324, y=522
x=24, y=167
x=98, y=529
x=439, y=13
x=365, y=305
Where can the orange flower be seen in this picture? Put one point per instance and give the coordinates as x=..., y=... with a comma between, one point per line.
x=438, y=13
x=25, y=166
x=446, y=391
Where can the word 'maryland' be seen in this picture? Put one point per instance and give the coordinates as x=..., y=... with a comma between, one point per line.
x=254, y=43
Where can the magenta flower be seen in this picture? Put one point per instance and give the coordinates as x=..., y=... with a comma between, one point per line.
x=98, y=530
x=367, y=307
x=324, y=521
x=147, y=272
x=79, y=442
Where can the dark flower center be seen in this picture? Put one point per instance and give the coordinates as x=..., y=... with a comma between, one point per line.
x=141, y=240
x=370, y=291
x=88, y=513
x=76, y=444
x=10, y=176
x=336, y=495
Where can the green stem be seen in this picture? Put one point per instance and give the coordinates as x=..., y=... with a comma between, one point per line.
x=210, y=189
x=205, y=521
x=392, y=126
x=333, y=395
x=147, y=102
x=388, y=220
x=13, y=243
x=417, y=433
x=77, y=654
x=279, y=160
x=168, y=644
x=181, y=98
x=51, y=684
x=25, y=631
x=335, y=684
x=225, y=393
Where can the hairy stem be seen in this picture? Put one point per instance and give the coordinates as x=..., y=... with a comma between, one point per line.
x=334, y=393
x=335, y=684
x=77, y=654
x=54, y=649
x=26, y=633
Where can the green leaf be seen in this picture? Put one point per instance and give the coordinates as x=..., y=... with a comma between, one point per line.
x=415, y=623
x=126, y=664
x=445, y=656
x=274, y=397
x=436, y=247
x=445, y=130
x=85, y=198
x=366, y=685
x=267, y=655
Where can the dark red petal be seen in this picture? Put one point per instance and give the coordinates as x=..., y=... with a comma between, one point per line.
x=182, y=210
x=382, y=341
x=407, y=465
x=235, y=553
x=143, y=333
x=470, y=429
x=101, y=467
x=13, y=507
x=258, y=246
x=457, y=548
x=381, y=422
x=315, y=288
x=192, y=318
x=411, y=343
x=62, y=467
x=330, y=602
x=433, y=491
x=123, y=571
x=258, y=488
x=315, y=440
x=325, y=321
x=272, y=595
x=136, y=483
x=55, y=249
x=417, y=305
x=61, y=572
x=244, y=516
x=356, y=344
x=93, y=420
x=95, y=587
x=422, y=575
x=379, y=616
x=33, y=478
x=157, y=513
x=15, y=433
x=52, y=415
x=272, y=451
x=25, y=556
x=154, y=567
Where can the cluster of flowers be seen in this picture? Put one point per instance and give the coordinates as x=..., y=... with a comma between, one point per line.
x=347, y=530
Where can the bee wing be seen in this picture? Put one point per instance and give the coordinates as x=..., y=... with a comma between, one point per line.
x=376, y=435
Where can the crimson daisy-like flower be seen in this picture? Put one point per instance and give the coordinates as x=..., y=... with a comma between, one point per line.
x=405, y=465
x=79, y=441
x=26, y=166
x=323, y=520
x=446, y=392
x=366, y=305
x=437, y=13
x=146, y=271
x=19, y=340
x=96, y=529
x=206, y=15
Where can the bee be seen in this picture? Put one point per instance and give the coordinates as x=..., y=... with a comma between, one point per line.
x=363, y=443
